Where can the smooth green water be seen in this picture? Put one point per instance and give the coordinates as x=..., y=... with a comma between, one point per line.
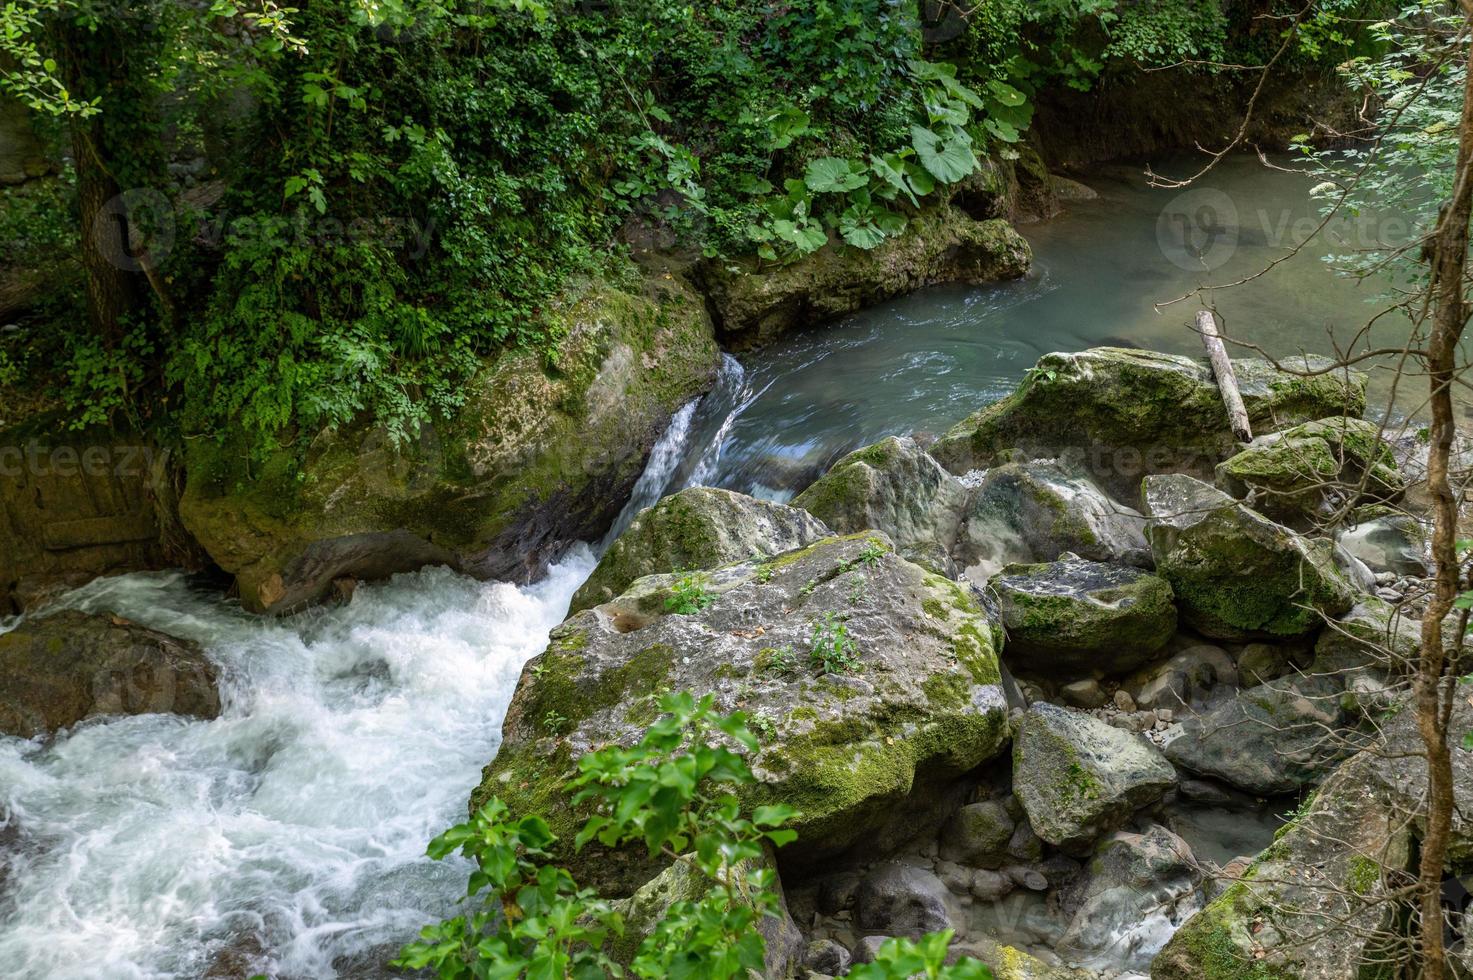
x=923, y=362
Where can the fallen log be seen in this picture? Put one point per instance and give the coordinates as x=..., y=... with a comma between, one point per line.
x=1227, y=381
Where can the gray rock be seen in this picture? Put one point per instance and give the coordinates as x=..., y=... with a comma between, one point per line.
x=59, y=669
x=1036, y=511
x=864, y=951
x=1260, y=663
x=1392, y=543
x=1024, y=844
x=1274, y=738
x=1139, y=888
x=1078, y=778
x=1186, y=677
x=827, y=957
x=1074, y=615
x=1235, y=573
x=977, y=835
x=1083, y=694
x=894, y=487
x=836, y=892
x=899, y=900
x=989, y=886
x=864, y=755
x=696, y=529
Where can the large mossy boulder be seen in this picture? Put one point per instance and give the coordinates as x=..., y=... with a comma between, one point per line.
x=1271, y=739
x=60, y=669
x=1076, y=617
x=1317, y=903
x=755, y=302
x=863, y=753
x=1035, y=511
x=697, y=528
x=1079, y=778
x=542, y=454
x=1120, y=414
x=1237, y=574
x=896, y=487
x=1305, y=472
x=77, y=505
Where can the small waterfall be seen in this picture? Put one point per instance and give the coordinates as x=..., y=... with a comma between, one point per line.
x=664, y=458
x=721, y=408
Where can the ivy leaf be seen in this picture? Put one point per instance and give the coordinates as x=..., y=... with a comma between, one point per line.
x=833, y=175
x=949, y=158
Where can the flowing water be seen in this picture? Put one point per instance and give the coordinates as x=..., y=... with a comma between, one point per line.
x=296, y=822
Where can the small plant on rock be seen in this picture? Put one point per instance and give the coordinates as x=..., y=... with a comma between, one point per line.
x=872, y=552
x=689, y=595
x=779, y=661
x=833, y=650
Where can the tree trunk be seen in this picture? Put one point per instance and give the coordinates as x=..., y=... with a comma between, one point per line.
x=114, y=282
x=1431, y=687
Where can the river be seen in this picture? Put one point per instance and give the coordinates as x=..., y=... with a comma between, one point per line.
x=296, y=822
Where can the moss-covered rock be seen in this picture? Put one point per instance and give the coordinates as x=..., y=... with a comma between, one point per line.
x=1301, y=473
x=76, y=505
x=542, y=454
x=1237, y=574
x=698, y=528
x=895, y=487
x=1314, y=905
x=1072, y=616
x=861, y=753
x=1079, y=778
x=59, y=669
x=756, y=302
x=1120, y=414
x=1035, y=511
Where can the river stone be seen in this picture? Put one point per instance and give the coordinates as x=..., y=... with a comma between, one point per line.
x=542, y=454
x=698, y=528
x=59, y=669
x=754, y=302
x=826, y=958
x=903, y=900
x=1274, y=738
x=1120, y=414
x=1079, y=616
x=680, y=882
x=1302, y=474
x=1078, y=777
x=895, y=487
x=1138, y=889
x=978, y=835
x=1236, y=574
x=1312, y=904
x=862, y=756
x=1260, y=663
x=1386, y=541
x=1036, y=511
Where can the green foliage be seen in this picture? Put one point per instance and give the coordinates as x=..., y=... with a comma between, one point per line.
x=833, y=650
x=672, y=793
x=689, y=595
x=778, y=661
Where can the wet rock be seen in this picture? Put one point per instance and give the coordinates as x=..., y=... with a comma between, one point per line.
x=1297, y=476
x=695, y=529
x=1078, y=778
x=1185, y=677
x=1387, y=542
x=1202, y=791
x=895, y=487
x=1083, y=694
x=1138, y=889
x=59, y=669
x=864, y=754
x=977, y=835
x=1274, y=738
x=1120, y=414
x=1235, y=573
x=1074, y=615
x=1036, y=511
x=898, y=900
x=754, y=304
x=542, y=454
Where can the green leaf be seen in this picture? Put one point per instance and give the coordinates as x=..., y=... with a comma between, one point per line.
x=948, y=158
x=829, y=175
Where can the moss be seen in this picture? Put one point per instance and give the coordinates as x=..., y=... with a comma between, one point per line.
x=1363, y=875
x=560, y=687
x=1213, y=943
